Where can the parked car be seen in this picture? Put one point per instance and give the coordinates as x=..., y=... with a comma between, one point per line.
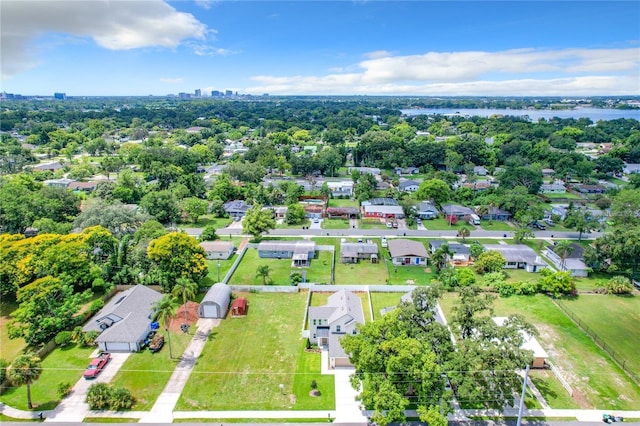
x=97, y=365
x=383, y=242
x=389, y=224
x=550, y=222
x=538, y=225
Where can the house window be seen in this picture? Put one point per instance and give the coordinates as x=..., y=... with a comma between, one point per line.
x=314, y=322
x=354, y=332
x=337, y=328
x=314, y=335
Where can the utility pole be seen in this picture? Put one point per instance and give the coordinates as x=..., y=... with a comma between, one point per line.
x=524, y=390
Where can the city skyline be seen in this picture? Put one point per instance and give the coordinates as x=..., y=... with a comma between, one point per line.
x=473, y=48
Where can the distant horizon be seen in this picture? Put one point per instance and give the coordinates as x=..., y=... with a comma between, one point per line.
x=538, y=48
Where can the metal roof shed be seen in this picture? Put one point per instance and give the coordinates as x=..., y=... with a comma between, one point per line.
x=216, y=302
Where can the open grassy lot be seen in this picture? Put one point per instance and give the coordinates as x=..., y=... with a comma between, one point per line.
x=145, y=374
x=565, y=196
x=495, y=225
x=62, y=365
x=363, y=272
x=384, y=300
x=371, y=224
x=208, y=219
x=403, y=275
x=614, y=320
x=319, y=271
x=9, y=348
x=247, y=358
x=285, y=225
x=519, y=275
x=334, y=202
x=335, y=224
x=596, y=380
x=443, y=224
x=225, y=265
x=551, y=389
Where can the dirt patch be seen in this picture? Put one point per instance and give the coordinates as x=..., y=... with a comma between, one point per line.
x=314, y=393
x=179, y=318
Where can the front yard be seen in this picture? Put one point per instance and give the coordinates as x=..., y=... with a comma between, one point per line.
x=496, y=225
x=442, y=224
x=335, y=224
x=246, y=360
x=363, y=272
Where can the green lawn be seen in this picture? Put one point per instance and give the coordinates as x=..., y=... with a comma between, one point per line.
x=614, y=319
x=62, y=365
x=520, y=275
x=334, y=202
x=371, y=224
x=285, y=225
x=247, y=358
x=403, y=275
x=566, y=195
x=442, y=224
x=145, y=374
x=551, y=389
x=9, y=348
x=363, y=272
x=308, y=369
x=217, y=222
x=495, y=225
x=245, y=274
x=335, y=224
x=384, y=300
x=225, y=265
x=597, y=382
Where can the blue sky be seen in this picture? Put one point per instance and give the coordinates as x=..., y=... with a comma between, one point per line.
x=107, y=47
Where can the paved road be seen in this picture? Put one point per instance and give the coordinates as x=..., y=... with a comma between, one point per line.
x=571, y=235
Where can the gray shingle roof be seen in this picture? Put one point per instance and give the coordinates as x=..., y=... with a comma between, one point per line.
x=353, y=249
x=400, y=248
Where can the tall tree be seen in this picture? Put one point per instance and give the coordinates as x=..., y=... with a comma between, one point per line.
x=165, y=311
x=563, y=248
x=582, y=221
x=434, y=189
x=185, y=289
x=257, y=221
x=25, y=370
x=177, y=255
x=263, y=272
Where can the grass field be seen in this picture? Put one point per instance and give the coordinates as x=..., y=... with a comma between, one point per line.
x=285, y=225
x=9, y=348
x=371, y=224
x=404, y=275
x=145, y=374
x=335, y=224
x=363, y=272
x=597, y=382
x=225, y=265
x=217, y=222
x=247, y=358
x=495, y=225
x=384, y=300
x=614, y=319
x=334, y=202
x=62, y=365
x=319, y=271
x=442, y=224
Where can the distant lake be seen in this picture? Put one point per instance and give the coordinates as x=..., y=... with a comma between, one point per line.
x=595, y=114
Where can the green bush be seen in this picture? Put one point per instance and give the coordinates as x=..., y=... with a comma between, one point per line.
x=618, y=285
x=101, y=396
x=120, y=399
x=3, y=369
x=63, y=338
x=208, y=233
x=89, y=338
x=96, y=305
x=63, y=389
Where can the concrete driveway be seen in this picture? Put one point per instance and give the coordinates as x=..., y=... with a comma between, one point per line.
x=315, y=225
x=73, y=408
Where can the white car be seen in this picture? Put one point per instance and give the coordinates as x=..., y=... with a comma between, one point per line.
x=383, y=243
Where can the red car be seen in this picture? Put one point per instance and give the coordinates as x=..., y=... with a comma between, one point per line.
x=97, y=365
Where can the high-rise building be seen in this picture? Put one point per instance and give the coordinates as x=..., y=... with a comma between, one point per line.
x=59, y=96
x=198, y=93
x=215, y=93
x=228, y=93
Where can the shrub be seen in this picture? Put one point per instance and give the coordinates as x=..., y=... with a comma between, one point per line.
x=96, y=305
x=120, y=399
x=101, y=396
x=505, y=289
x=465, y=277
x=63, y=389
x=208, y=233
x=89, y=338
x=3, y=369
x=64, y=338
x=618, y=285
x=314, y=384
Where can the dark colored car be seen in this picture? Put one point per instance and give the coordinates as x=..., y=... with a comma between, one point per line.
x=97, y=365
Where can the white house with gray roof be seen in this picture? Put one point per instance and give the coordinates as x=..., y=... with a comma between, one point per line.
x=330, y=322
x=301, y=251
x=125, y=321
x=407, y=252
x=519, y=256
x=354, y=252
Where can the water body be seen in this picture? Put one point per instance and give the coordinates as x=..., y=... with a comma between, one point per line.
x=595, y=114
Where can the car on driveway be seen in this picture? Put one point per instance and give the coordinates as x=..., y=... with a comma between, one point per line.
x=97, y=365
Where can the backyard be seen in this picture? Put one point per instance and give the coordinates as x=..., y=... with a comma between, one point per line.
x=247, y=359
x=280, y=269
x=363, y=272
x=596, y=380
x=9, y=348
x=382, y=300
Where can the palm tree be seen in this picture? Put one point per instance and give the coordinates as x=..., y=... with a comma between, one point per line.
x=263, y=271
x=24, y=370
x=563, y=249
x=165, y=310
x=440, y=257
x=464, y=233
x=186, y=289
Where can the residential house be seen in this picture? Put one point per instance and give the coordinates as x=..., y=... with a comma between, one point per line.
x=48, y=167
x=460, y=252
x=343, y=212
x=125, y=321
x=218, y=249
x=590, y=189
x=365, y=170
x=427, y=210
x=281, y=212
x=480, y=171
x=354, y=252
x=481, y=185
x=631, y=168
x=556, y=187
x=386, y=212
x=341, y=188
x=236, y=208
x=83, y=186
x=330, y=322
x=194, y=129
x=58, y=183
x=301, y=251
x=519, y=256
x=529, y=343
x=381, y=202
x=573, y=261
x=407, y=253
x=215, y=303
x=548, y=172
x=494, y=213
x=406, y=171
x=408, y=186
x=460, y=212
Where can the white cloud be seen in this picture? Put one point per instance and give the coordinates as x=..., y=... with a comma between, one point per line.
x=114, y=25
x=205, y=4
x=172, y=80
x=510, y=72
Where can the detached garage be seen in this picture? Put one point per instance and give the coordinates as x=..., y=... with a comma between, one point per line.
x=216, y=302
